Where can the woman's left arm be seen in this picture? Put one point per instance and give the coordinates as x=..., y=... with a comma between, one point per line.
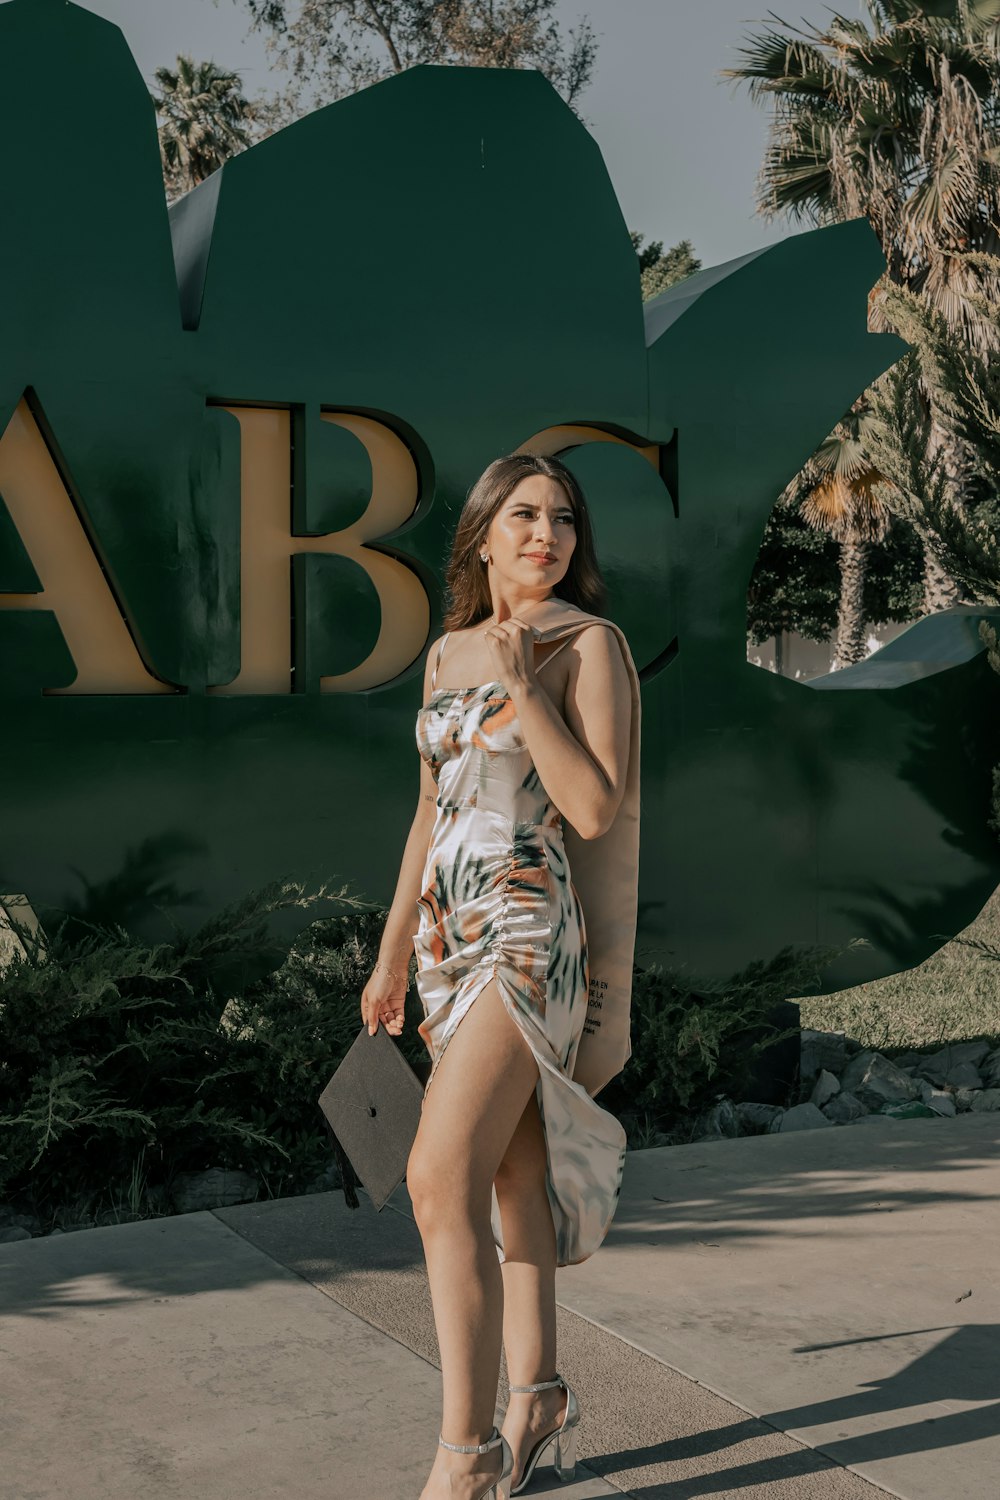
x=582, y=761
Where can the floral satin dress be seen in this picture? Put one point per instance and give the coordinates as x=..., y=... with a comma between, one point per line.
x=498, y=903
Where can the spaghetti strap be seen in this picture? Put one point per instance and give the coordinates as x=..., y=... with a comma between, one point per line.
x=437, y=663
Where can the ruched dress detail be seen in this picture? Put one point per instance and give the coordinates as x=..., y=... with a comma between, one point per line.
x=498, y=903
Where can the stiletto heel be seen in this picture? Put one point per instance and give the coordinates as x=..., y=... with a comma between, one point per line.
x=563, y=1440
x=499, y=1489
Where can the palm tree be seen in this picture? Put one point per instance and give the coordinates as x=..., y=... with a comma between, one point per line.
x=966, y=396
x=900, y=126
x=899, y=123
x=839, y=491
x=205, y=121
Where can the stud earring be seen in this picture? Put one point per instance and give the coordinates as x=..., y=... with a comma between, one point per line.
x=484, y=557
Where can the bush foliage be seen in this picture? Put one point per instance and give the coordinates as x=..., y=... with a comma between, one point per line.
x=123, y=1060
x=208, y=1050
x=694, y=1042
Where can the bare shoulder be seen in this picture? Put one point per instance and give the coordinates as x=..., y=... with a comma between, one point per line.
x=596, y=656
x=429, y=664
x=598, y=698
x=598, y=690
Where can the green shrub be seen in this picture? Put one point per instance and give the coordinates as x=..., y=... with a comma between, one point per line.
x=123, y=1063
x=120, y=1058
x=694, y=1042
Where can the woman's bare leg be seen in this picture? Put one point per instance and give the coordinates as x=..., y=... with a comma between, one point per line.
x=471, y=1109
x=529, y=1281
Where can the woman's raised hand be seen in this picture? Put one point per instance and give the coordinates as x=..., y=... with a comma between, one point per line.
x=511, y=644
x=382, y=999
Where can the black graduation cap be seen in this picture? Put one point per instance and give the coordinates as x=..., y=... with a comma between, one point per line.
x=371, y=1107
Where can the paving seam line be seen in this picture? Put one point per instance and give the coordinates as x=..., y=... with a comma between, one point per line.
x=587, y=1473
x=732, y=1401
x=723, y=1395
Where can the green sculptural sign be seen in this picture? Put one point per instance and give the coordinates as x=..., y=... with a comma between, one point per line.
x=235, y=440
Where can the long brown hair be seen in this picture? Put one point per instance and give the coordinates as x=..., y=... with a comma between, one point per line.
x=469, y=592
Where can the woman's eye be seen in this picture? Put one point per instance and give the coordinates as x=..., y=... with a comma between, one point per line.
x=566, y=517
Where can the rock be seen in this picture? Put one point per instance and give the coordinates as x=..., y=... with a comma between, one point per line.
x=877, y=1081
x=216, y=1188
x=990, y=1068
x=939, y=1064
x=719, y=1122
x=11, y=1218
x=826, y=1085
x=972, y=1052
x=964, y=1098
x=758, y=1116
x=821, y=1049
x=908, y=1109
x=940, y=1101
x=799, y=1117
x=963, y=1075
x=329, y=1179
x=843, y=1108
x=908, y=1060
x=12, y=1233
x=984, y=1101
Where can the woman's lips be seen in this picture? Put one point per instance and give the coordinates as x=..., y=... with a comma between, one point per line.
x=539, y=557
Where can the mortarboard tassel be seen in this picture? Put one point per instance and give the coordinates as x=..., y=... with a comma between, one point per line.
x=348, y=1176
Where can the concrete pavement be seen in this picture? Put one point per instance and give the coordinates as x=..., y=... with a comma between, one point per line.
x=771, y=1316
x=842, y=1284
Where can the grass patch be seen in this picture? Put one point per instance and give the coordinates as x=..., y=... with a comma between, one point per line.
x=953, y=996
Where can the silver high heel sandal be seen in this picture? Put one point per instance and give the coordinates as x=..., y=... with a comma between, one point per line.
x=564, y=1438
x=499, y=1489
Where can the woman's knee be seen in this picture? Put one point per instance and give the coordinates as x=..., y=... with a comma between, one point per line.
x=439, y=1196
x=445, y=1177
x=422, y=1182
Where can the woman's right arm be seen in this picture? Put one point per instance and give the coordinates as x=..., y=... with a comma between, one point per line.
x=383, y=996
x=396, y=947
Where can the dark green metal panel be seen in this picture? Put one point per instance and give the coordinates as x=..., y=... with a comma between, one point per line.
x=331, y=475
x=17, y=576
x=636, y=534
x=334, y=601
x=442, y=253
x=797, y=815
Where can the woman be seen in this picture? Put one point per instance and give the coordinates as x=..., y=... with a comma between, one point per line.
x=513, y=1157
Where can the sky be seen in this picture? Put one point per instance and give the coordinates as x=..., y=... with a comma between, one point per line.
x=683, y=147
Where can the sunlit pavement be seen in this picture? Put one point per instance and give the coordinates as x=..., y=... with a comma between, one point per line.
x=803, y=1314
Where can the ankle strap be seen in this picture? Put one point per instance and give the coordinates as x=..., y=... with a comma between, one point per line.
x=491, y=1442
x=543, y=1385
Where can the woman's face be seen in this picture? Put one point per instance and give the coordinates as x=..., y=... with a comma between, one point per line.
x=533, y=534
